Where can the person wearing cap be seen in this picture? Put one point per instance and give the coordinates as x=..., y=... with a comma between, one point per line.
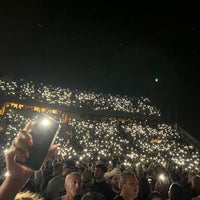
x=113, y=178
x=99, y=183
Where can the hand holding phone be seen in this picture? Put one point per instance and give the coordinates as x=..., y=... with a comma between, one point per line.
x=44, y=130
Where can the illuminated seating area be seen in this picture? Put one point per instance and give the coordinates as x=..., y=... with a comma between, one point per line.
x=52, y=95
x=88, y=138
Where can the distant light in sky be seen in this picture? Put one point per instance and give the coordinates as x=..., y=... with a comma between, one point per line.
x=156, y=79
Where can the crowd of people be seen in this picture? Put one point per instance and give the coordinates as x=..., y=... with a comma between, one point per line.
x=60, y=180
x=131, y=142
x=106, y=157
x=56, y=95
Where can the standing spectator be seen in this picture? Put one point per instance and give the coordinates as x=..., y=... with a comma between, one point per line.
x=86, y=181
x=114, y=177
x=176, y=192
x=155, y=195
x=129, y=186
x=55, y=187
x=194, y=190
x=144, y=185
x=72, y=186
x=93, y=196
x=57, y=170
x=100, y=185
x=162, y=184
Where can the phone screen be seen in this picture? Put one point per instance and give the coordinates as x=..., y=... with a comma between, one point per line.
x=44, y=131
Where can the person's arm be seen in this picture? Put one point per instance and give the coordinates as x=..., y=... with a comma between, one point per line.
x=17, y=175
x=12, y=185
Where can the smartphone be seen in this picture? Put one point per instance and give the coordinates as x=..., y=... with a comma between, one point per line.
x=44, y=130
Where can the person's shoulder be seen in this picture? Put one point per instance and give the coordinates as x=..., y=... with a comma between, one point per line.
x=56, y=178
x=47, y=178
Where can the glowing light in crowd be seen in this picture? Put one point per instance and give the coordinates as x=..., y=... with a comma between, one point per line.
x=83, y=138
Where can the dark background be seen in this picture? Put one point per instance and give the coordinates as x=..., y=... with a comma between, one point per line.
x=111, y=47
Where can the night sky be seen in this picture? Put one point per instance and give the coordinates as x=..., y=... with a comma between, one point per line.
x=110, y=48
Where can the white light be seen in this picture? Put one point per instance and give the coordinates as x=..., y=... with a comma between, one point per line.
x=7, y=174
x=45, y=122
x=162, y=177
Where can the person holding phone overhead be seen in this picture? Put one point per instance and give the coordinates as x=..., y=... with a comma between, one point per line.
x=17, y=173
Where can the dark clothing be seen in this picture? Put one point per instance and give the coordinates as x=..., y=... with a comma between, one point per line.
x=118, y=197
x=76, y=198
x=114, y=194
x=190, y=193
x=144, y=189
x=55, y=188
x=45, y=182
x=103, y=188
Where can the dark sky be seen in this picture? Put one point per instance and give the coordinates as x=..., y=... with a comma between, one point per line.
x=111, y=48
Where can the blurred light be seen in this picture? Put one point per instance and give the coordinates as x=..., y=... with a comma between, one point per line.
x=162, y=177
x=156, y=80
